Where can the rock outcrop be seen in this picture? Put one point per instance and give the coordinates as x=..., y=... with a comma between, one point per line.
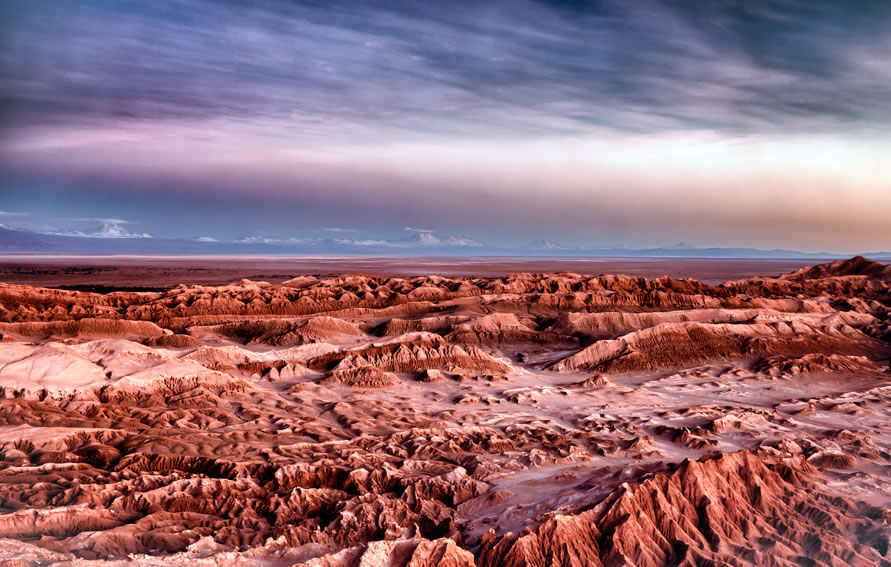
x=733, y=509
x=533, y=419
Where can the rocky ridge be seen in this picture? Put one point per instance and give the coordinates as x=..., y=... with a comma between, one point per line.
x=540, y=419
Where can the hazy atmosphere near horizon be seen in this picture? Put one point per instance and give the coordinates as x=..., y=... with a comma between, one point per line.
x=585, y=124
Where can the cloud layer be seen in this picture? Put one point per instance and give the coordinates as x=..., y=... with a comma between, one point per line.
x=591, y=122
x=329, y=69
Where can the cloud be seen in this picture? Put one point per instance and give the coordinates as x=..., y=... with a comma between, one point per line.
x=420, y=238
x=362, y=242
x=108, y=228
x=11, y=214
x=339, y=230
x=205, y=239
x=574, y=117
x=258, y=239
x=427, y=238
x=504, y=67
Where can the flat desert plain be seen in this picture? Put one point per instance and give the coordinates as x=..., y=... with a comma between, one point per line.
x=507, y=412
x=161, y=272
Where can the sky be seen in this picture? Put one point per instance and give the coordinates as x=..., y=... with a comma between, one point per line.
x=613, y=123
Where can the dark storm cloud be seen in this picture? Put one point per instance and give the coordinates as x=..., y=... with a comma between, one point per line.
x=337, y=68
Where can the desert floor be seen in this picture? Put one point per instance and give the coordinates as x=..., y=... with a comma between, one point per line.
x=420, y=412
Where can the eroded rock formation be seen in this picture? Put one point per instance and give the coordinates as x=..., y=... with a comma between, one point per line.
x=533, y=419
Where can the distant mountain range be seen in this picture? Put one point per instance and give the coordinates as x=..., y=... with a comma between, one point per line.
x=418, y=243
x=542, y=244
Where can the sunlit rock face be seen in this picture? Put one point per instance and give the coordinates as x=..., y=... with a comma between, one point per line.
x=360, y=420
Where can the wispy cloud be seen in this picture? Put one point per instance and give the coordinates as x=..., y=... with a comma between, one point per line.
x=258, y=239
x=362, y=242
x=505, y=66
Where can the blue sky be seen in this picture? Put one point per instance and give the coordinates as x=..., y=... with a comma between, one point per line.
x=609, y=123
